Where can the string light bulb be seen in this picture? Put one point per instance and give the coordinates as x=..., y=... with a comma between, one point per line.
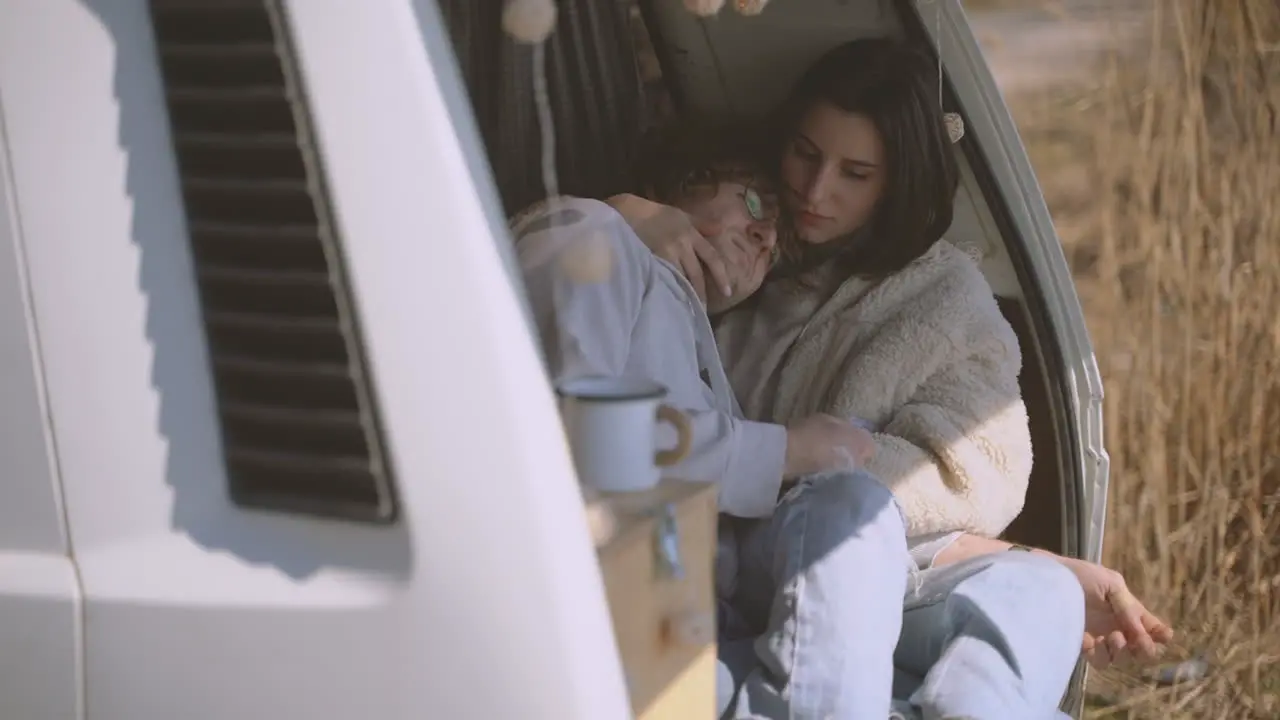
x=529, y=21
x=955, y=126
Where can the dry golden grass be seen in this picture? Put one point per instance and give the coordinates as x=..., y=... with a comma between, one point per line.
x=1163, y=175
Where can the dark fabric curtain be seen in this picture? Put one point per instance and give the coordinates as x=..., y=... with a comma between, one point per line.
x=594, y=84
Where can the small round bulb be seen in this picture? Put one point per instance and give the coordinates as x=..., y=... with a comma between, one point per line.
x=529, y=21
x=955, y=126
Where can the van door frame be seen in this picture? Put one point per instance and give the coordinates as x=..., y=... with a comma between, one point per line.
x=1048, y=292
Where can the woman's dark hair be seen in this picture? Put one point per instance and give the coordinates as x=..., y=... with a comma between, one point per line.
x=895, y=86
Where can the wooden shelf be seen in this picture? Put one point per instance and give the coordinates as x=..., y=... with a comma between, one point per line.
x=657, y=551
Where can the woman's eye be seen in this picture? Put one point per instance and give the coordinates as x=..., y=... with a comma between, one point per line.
x=853, y=174
x=804, y=153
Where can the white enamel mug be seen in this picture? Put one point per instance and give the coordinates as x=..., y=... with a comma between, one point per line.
x=612, y=427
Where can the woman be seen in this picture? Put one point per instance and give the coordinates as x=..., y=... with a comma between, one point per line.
x=872, y=316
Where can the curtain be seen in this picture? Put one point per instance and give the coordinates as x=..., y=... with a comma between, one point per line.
x=596, y=92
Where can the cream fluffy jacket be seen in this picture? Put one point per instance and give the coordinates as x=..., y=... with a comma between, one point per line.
x=928, y=359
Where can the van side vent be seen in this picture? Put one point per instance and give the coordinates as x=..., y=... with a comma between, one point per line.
x=299, y=429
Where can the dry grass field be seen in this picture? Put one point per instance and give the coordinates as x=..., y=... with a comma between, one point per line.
x=1162, y=170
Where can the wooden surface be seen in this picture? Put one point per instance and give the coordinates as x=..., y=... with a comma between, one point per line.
x=691, y=696
x=665, y=626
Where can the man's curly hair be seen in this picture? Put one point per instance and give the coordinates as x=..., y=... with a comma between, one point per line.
x=679, y=157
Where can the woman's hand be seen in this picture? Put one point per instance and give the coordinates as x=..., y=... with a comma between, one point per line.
x=669, y=233
x=1116, y=624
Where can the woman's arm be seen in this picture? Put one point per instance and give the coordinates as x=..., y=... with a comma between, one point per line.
x=669, y=233
x=956, y=451
x=957, y=455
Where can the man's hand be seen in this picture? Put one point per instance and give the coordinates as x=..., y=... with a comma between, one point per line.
x=1117, y=626
x=824, y=443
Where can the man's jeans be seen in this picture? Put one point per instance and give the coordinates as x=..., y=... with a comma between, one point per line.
x=826, y=576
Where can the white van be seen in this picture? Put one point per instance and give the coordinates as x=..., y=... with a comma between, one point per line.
x=275, y=436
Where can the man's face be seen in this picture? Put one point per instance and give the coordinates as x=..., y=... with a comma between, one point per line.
x=740, y=219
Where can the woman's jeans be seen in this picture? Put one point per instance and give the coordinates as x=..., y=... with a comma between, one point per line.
x=828, y=592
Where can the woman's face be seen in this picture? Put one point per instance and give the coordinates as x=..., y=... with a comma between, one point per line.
x=833, y=173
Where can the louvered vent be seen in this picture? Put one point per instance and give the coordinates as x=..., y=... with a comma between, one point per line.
x=299, y=430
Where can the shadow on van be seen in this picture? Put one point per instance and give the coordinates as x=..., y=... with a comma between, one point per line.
x=202, y=508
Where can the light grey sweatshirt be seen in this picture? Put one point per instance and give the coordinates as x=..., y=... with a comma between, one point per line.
x=605, y=305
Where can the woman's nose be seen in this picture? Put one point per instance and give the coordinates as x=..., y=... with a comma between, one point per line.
x=816, y=190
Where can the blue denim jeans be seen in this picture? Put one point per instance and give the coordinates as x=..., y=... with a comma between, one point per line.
x=824, y=577
x=829, y=580
x=992, y=637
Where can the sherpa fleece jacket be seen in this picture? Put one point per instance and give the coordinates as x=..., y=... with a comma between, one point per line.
x=926, y=357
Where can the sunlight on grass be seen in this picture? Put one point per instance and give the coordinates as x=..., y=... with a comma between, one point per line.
x=1162, y=169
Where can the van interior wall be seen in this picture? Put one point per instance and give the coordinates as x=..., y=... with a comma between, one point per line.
x=1041, y=522
x=598, y=102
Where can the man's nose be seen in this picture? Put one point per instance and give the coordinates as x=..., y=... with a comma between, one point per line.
x=764, y=234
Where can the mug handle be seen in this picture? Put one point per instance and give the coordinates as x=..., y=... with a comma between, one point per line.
x=684, y=436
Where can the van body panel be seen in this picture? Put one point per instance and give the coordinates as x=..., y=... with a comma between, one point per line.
x=40, y=608
x=484, y=599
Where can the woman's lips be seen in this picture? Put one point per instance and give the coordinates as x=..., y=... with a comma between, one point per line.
x=803, y=216
x=809, y=218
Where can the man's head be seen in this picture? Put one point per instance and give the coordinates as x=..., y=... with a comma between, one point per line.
x=714, y=173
